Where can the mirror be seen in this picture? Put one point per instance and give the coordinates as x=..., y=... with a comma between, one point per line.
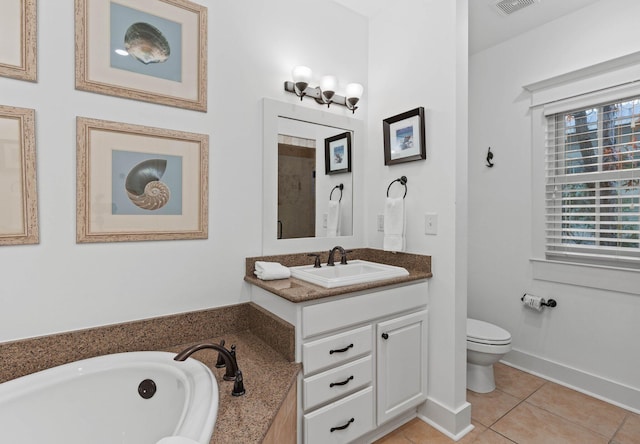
x=301, y=197
x=313, y=200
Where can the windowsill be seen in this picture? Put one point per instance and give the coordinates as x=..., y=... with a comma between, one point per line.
x=593, y=276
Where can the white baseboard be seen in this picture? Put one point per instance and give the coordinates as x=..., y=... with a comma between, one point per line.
x=455, y=424
x=589, y=384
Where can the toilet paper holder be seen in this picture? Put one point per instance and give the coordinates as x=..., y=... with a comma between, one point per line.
x=550, y=303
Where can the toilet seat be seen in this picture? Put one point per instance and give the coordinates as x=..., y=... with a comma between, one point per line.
x=481, y=332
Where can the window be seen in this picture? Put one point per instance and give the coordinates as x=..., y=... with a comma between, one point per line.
x=592, y=194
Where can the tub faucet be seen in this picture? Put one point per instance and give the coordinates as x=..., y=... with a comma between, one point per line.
x=343, y=253
x=232, y=373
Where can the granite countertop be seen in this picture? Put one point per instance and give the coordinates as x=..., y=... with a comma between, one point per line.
x=267, y=375
x=296, y=290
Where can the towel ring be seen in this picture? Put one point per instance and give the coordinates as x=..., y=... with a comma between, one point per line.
x=340, y=187
x=403, y=181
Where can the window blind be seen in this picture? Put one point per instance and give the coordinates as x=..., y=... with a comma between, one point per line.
x=592, y=191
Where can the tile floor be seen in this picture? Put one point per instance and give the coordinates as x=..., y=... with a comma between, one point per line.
x=525, y=409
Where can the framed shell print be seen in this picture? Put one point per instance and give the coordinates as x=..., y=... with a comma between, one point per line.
x=18, y=39
x=149, y=50
x=18, y=190
x=138, y=183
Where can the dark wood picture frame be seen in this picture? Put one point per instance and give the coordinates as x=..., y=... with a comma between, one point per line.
x=404, y=137
x=337, y=153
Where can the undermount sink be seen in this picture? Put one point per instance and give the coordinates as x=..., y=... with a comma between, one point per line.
x=355, y=272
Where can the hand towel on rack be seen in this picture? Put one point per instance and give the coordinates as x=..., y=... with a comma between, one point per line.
x=333, y=219
x=394, y=224
x=271, y=270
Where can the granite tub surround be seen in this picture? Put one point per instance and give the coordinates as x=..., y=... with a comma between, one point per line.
x=296, y=290
x=268, y=379
x=265, y=350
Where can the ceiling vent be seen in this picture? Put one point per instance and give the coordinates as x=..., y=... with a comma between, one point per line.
x=508, y=7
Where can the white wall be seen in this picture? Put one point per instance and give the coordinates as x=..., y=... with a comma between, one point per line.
x=590, y=340
x=418, y=57
x=59, y=286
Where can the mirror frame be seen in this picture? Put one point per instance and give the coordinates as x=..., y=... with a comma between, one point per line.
x=272, y=110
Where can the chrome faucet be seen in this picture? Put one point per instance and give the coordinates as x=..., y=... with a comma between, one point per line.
x=343, y=253
x=232, y=373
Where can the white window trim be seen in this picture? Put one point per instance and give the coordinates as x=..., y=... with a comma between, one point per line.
x=608, y=81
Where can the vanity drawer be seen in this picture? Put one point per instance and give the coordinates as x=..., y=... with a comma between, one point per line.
x=336, y=350
x=342, y=421
x=336, y=382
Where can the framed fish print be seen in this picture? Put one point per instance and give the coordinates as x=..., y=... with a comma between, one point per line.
x=404, y=137
x=138, y=183
x=18, y=191
x=18, y=39
x=149, y=50
x=337, y=153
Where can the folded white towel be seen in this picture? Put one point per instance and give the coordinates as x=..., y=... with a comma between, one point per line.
x=333, y=218
x=271, y=270
x=394, y=222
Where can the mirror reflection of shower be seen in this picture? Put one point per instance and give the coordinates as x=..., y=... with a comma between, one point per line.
x=296, y=187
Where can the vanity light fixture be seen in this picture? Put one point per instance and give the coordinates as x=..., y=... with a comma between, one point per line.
x=325, y=94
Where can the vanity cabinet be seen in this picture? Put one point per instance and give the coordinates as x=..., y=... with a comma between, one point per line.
x=402, y=364
x=364, y=359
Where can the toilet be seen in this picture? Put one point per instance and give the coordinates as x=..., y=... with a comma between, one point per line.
x=486, y=345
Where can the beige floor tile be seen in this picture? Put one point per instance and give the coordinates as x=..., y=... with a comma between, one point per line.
x=591, y=413
x=629, y=433
x=527, y=424
x=473, y=435
x=418, y=431
x=516, y=382
x=487, y=408
x=491, y=437
x=394, y=437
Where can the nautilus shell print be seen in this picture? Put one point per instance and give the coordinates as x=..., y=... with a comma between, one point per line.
x=146, y=43
x=144, y=187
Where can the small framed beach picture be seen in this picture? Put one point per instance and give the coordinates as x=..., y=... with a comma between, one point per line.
x=149, y=50
x=404, y=137
x=19, y=40
x=138, y=183
x=337, y=153
x=18, y=191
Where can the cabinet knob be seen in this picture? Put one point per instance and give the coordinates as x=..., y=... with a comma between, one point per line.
x=385, y=336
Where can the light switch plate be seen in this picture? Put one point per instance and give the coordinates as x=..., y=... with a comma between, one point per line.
x=325, y=216
x=430, y=223
x=381, y=222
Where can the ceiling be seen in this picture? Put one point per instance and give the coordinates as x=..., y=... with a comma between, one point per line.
x=487, y=27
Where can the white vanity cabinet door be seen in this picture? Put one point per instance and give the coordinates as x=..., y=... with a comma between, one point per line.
x=336, y=382
x=341, y=422
x=336, y=350
x=402, y=364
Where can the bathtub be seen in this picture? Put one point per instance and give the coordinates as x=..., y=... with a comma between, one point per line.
x=103, y=400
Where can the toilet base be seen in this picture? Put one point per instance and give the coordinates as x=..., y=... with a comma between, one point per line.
x=480, y=378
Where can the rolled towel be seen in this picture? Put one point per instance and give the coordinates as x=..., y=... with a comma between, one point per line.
x=271, y=270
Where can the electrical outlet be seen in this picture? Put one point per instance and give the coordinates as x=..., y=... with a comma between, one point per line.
x=430, y=223
x=325, y=216
x=381, y=222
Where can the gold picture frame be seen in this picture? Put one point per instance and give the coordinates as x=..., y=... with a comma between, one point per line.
x=139, y=183
x=18, y=189
x=149, y=50
x=18, y=32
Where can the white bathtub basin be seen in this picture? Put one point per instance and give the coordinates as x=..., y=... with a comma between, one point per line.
x=355, y=272
x=97, y=401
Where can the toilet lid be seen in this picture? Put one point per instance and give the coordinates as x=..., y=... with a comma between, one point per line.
x=486, y=333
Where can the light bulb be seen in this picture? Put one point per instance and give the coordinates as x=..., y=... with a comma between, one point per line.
x=328, y=86
x=354, y=92
x=301, y=77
